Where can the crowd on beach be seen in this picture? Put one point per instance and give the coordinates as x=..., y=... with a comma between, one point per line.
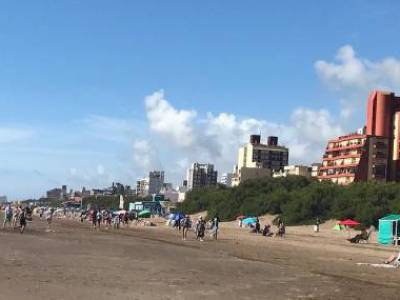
x=183, y=223
x=255, y=227
x=17, y=216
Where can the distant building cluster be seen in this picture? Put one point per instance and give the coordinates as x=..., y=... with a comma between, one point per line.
x=62, y=193
x=370, y=153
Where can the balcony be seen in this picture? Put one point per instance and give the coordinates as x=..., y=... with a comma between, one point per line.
x=338, y=166
x=336, y=176
x=346, y=147
x=343, y=156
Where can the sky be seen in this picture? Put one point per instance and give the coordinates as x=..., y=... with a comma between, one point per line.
x=98, y=91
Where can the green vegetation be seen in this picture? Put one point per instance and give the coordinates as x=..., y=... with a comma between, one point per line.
x=111, y=201
x=297, y=200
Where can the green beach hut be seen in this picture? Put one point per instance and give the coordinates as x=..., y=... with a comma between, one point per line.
x=389, y=229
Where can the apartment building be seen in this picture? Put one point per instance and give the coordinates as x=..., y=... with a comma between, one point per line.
x=258, y=160
x=372, y=153
x=201, y=175
x=156, y=182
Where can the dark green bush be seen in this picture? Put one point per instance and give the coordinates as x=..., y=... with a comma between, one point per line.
x=297, y=200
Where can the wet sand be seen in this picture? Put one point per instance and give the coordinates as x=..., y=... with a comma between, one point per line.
x=77, y=262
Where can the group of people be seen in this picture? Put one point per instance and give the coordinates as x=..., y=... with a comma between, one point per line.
x=267, y=232
x=104, y=217
x=185, y=223
x=16, y=217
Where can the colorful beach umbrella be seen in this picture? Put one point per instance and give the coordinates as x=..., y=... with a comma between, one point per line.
x=349, y=222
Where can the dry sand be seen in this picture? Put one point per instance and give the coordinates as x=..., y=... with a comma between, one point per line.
x=77, y=262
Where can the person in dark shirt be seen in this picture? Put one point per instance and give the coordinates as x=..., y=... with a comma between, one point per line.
x=258, y=227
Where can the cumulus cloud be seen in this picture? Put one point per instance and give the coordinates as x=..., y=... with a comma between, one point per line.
x=164, y=119
x=305, y=134
x=217, y=137
x=349, y=71
x=353, y=77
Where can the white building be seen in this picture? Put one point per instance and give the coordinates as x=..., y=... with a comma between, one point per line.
x=315, y=169
x=226, y=179
x=294, y=170
x=260, y=160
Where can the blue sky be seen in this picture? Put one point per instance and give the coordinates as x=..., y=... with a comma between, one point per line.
x=74, y=77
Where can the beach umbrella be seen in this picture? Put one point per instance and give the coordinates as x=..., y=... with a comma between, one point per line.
x=144, y=213
x=349, y=222
x=250, y=220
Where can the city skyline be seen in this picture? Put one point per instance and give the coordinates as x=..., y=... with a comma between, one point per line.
x=104, y=92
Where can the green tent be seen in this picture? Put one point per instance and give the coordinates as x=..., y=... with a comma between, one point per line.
x=337, y=227
x=144, y=213
x=389, y=229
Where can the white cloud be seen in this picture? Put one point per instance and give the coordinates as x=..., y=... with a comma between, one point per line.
x=354, y=77
x=11, y=135
x=216, y=138
x=352, y=72
x=166, y=120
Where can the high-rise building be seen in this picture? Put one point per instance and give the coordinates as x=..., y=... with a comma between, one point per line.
x=369, y=154
x=201, y=175
x=156, y=182
x=258, y=160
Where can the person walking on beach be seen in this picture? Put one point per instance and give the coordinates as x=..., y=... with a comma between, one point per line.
x=93, y=215
x=8, y=213
x=258, y=226
x=98, y=218
x=201, y=227
x=215, y=227
x=281, y=230
x=22, y=220
x=49, y=218
x=185, y=227
x=316, y=226
x=16, y=215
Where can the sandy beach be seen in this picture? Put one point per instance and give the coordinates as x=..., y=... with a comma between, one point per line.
x=77, y=262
